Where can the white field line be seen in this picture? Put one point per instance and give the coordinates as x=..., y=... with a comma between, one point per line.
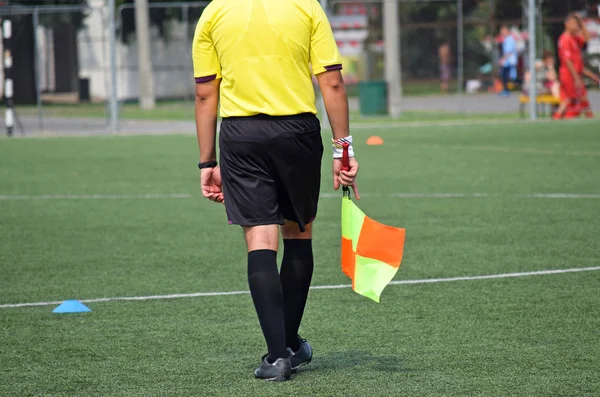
x=317, y=287
x=472, y=195
x=362, y=124
x=323, y=196
x=96, y=196
x=509, y=149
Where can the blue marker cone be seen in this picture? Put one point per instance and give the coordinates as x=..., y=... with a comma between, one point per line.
x=71, y=306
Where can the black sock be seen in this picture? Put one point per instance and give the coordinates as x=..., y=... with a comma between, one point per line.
x=296, y=274
x=265, y=288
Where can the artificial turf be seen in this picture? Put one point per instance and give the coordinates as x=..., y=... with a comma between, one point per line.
x=75, y=225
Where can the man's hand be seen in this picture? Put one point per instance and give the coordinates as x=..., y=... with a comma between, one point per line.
x=578, y=83
x=210, y=183
x=345, y=178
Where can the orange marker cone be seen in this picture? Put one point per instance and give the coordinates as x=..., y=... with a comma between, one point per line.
x=374, y=141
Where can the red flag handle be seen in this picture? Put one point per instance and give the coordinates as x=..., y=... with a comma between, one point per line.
x=345, y=157
x=345, y=165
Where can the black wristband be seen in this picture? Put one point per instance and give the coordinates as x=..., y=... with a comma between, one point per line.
x=207, y=164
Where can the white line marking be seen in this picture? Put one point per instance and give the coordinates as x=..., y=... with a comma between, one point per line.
x=96, y=196
x=226, y=293
x=461, y=123
x=508, y=149
x=323, y=196
x=559, y=196
x=471, y=195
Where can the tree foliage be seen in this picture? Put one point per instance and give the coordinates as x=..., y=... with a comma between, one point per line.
x=50, y=19
x=160, y=18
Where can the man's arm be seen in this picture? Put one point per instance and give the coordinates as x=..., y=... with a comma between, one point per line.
x=591, y=75
x=207, y=100
x=585, y=35
x=207, y=75
x=336, y=102
x=326, y=65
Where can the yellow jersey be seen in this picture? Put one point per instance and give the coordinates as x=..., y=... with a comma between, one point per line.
x=263, y=51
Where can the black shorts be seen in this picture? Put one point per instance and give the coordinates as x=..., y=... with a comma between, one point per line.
x=271, y=168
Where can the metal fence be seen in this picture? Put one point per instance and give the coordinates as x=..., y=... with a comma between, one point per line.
x=70, y=76
x=75, y=69
x=449, y=54
x=170, y=48
x=58, y=67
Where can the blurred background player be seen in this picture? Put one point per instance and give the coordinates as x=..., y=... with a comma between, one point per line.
x=570, y=46
x=583, y=37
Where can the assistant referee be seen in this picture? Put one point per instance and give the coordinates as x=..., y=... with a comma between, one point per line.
x=255, y=58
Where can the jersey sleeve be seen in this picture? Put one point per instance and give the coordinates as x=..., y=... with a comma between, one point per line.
x=324, y=54
x=204, y=55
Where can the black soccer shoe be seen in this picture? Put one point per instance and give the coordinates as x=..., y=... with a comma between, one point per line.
x=302, y=357
x=279, y=371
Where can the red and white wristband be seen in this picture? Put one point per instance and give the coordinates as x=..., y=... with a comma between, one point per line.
x=338, y=147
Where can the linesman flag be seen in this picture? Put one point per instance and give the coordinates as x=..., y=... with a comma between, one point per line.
x=371, y=251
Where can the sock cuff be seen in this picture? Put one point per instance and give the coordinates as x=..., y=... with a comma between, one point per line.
x=262, y=261
x=297, y=244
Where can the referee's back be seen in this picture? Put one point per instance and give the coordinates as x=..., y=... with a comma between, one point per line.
x=261, y=49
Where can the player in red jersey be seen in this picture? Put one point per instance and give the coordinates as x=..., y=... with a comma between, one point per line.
x=572, y=89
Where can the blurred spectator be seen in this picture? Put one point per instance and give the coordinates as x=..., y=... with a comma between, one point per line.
x=539, y=79
x=546, y=77
x=551, y=83
x=445, y=60
x=508, y=62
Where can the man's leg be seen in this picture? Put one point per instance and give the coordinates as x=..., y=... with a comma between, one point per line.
x=265, y=286
x=505, y=79
x=586, y=108
x=296, y=275
x=562, y=108
x=567, y=88
x=252, y=202
x=299, y=143
x=445, y=75
x=584, y=103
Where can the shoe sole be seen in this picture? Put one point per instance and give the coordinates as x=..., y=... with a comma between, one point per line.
x=279, y=378
x=295, y=369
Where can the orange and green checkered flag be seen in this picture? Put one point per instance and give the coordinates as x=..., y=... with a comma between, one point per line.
x=371, y=252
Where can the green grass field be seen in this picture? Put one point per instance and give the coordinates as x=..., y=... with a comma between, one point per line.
x=83, y=218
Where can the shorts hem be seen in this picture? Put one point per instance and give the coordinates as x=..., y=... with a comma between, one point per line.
x=306, y=222
x=256, y=222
